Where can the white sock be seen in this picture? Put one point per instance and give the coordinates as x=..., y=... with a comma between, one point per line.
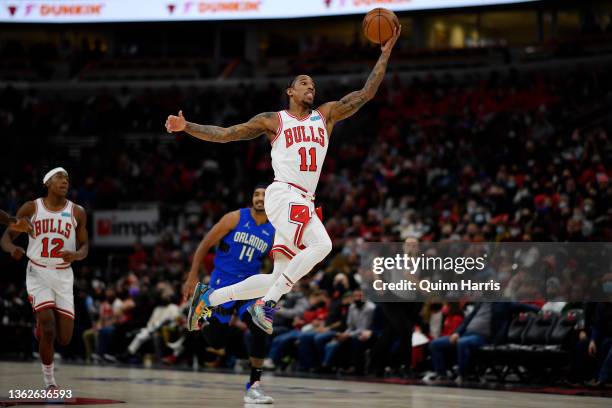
x=48, y=374
x=318, y=246
x=251, y=288
x=281, y=287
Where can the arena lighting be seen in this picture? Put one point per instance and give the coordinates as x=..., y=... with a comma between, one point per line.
x=107, y=11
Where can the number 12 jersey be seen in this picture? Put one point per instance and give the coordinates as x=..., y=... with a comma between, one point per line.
x=54, y=232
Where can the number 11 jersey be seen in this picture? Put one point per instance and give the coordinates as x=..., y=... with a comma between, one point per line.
x=299, y=149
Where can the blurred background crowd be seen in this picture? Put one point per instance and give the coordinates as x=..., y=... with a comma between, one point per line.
x=507, y=139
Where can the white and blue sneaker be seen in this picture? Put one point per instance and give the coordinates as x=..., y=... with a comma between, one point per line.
x=262, y=314
x=200, y=309
x=255, y=394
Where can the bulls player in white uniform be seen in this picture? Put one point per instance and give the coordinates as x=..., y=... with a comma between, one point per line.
x=59, y=238
x=299, y=138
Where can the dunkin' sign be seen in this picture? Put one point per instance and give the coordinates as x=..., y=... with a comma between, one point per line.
x=82, y=11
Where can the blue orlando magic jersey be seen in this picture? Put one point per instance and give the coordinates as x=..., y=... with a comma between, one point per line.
x=241, y=251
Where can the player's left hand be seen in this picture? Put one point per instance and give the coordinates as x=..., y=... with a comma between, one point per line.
x=189, y=285
x=388, y=46
x=176, y=123
x=68, y=256
x=23, y=225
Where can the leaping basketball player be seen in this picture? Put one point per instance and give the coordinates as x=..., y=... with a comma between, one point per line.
x=299, y=138
x=59, y=238
x=245, y=238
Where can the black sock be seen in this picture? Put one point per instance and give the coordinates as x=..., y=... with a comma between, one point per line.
x=255, y=375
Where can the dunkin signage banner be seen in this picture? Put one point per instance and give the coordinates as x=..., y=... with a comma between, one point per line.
x=126, y=227
x=98, y=11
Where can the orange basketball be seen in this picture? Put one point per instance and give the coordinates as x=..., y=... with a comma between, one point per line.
x=378, y=25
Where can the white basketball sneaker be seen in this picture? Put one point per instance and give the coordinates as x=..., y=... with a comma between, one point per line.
x=255, y=395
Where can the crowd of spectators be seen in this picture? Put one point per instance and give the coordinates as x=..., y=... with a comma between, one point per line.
x=514, y=156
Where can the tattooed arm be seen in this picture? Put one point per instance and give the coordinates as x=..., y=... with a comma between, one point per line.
x=263, y=123
x=6, y=219
x=347, y=106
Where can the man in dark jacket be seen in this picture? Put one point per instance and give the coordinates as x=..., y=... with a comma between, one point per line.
x=488, y=323
x=601, y=342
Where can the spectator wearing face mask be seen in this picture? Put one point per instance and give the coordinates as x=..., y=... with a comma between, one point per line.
x=312, y=343
x=358, y=336
x=487, y=322
x=313, y=318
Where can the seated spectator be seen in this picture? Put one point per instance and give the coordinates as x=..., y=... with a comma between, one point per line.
x=312, y=319
x=137, y=260
x=488, y=322
x=443, y=321
x=291, y=306
x=312, y=343
x=600, y=346
x=165, y=313
x=99, y=337
x=358, y=336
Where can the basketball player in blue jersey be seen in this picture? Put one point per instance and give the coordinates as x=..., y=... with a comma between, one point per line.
x=245, y=238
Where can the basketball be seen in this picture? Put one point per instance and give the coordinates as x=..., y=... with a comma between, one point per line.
x=378, y=25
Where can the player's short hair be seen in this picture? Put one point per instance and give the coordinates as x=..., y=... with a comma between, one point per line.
x=260, y=185
x=290, y=85
x=292, y=82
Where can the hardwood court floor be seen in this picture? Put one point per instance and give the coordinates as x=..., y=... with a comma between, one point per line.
x=169, y=388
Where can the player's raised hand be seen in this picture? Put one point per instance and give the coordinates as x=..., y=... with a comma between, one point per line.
x=176, y=123
x=388, y=46
x=17, y=253
x=68, y=256
x=23, y=225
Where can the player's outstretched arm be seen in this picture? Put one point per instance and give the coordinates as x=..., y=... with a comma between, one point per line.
x=263, y=123
x=26, y=211
x=348, y=105
x=82, y=238
x=6, y=219
x=227, y=223
x=21, y=224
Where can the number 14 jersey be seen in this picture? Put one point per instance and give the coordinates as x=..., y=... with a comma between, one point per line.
x=299, y=149
x=54, y=232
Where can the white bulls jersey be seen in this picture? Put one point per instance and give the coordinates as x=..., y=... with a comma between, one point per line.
x=55, y=231
x=299, y=149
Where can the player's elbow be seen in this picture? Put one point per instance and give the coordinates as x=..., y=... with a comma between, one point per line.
x=369, y=94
